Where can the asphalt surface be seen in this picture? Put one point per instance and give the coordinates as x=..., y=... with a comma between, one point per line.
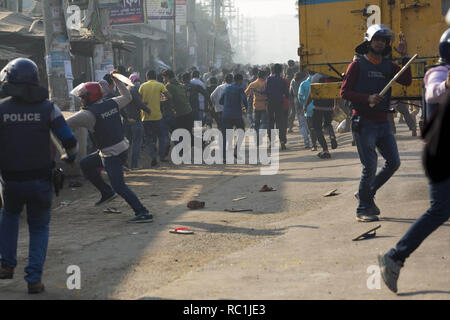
x=294, y=244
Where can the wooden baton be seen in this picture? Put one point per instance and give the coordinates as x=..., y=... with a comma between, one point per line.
x=383, y=92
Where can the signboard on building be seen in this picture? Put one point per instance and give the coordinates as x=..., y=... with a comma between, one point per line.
x=128, y=12
x=160, y=9
x=181, y=12
x=83, y=4
x=108, y=3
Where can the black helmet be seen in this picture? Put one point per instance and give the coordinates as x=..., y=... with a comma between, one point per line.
x=379, y=30
x=20, y=71
x=444, y=46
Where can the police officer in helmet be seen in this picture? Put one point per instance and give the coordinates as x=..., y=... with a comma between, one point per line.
x=27, y=118
x=102, y=118
x=366, y=76
x=437, y=79
x=436, y=136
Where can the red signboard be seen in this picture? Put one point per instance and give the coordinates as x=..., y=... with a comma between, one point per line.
x=128, y=12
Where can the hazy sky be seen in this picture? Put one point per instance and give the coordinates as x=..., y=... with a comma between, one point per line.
x=266, y=8
x=276, y=29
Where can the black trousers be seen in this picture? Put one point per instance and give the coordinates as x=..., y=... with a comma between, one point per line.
x=277, y=116
x=185, y=122
x=292, y=113
x=322, y=119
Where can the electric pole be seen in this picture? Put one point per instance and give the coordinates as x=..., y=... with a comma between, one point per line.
x=57, y=54
x=174, y=41
x=103, y=53
x=217, y=21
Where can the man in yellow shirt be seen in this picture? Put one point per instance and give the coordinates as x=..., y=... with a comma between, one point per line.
x=259, y=102
x=151, y=92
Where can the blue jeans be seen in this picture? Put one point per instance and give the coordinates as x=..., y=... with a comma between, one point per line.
x=230, y=123
x=372, y=135
x=37, y=196
x=250, y=117
x=134, y=132
x=303, y=126
x=154, y=132
x=435, y=216
x=260, y=119
x=168, y=124
x=114, y=168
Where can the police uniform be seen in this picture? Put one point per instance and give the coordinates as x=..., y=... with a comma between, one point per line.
x=26, y=119
x=102, y=118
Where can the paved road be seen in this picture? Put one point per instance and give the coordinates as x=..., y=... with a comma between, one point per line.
x=295, y=244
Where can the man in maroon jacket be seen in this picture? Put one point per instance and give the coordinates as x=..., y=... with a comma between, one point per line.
x=366, y=76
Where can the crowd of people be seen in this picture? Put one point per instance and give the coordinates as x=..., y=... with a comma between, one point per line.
x=123, y=117
x=255, y=97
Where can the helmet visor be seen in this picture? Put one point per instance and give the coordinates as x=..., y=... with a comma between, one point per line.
x=78, y=91
x=384, y=33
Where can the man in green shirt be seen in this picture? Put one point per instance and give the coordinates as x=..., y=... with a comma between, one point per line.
x=183, y=111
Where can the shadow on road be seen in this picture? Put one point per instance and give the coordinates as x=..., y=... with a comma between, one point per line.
x=408, y=294
x=404, y=220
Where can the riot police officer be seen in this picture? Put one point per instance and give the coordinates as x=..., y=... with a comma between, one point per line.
x=366, y=76
x=436, y=137
x=102, y=118
x=437, y=79
x=27, y=119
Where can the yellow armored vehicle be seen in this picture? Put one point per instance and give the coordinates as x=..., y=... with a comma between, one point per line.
x=331, y=29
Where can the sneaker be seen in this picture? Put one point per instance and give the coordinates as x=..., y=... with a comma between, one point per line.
x=106, y=199
x=374, y=209
x=314, y=148
x=283, y=146
x=36, y=287
x=367, y=216
x=142, y=218
x=334, y=143
x=6, y=273
x=154, y=163
x=390, y=271
x=324, y=155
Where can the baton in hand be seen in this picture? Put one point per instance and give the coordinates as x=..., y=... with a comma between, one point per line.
x=122, y=78
x=383, y=92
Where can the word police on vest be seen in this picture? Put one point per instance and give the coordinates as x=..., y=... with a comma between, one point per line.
x=21, y=117
x=109, y=113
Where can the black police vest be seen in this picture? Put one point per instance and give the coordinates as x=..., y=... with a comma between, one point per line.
x=108, y=129
x=25, y=136
x=371, y=80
